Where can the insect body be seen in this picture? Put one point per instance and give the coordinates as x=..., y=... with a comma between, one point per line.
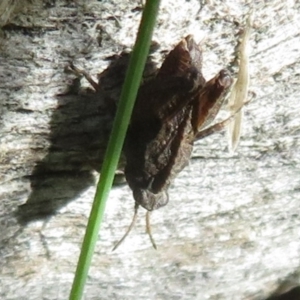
x=171, y=110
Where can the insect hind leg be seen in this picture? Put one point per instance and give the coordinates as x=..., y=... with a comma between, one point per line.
x=83, y=73
x=217, y=127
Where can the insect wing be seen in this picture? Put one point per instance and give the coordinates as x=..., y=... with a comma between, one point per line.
x=159, y=139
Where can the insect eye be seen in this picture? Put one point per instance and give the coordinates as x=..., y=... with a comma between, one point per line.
x=193, y=74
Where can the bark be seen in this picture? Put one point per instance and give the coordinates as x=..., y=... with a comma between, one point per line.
x=231, y=229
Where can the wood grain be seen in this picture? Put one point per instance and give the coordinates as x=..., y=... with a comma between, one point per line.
x=231, y=229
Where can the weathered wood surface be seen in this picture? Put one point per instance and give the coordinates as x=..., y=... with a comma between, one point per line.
x=232, y=227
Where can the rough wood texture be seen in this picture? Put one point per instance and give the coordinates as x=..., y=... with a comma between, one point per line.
x=231, y=229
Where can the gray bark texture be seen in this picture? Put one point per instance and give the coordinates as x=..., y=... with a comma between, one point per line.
x=231, y=229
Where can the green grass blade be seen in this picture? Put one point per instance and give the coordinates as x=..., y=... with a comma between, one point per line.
x=115, y=144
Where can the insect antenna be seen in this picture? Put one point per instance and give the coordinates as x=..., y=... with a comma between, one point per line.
x=136, y=207
x=148, y=230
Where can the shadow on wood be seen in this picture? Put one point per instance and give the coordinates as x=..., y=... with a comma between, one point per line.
x=80, y=129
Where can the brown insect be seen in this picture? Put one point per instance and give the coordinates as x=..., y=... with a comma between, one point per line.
x=172, y=111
